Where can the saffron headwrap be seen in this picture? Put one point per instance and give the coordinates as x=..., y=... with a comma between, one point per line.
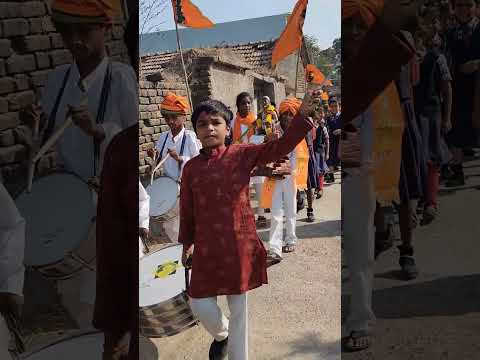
x=174, y=104
x=369, y=10
x=85, y=11
x=291, y=105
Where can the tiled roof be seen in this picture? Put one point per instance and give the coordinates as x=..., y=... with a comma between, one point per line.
x=234, y=32
x=258, y=56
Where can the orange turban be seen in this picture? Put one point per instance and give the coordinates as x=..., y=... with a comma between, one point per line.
x=85, y=11
x=291, y=105
x=175, y=104
x=369, y=10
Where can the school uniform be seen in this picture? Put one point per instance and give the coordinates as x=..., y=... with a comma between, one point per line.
x=12, y=270
x=216, y=217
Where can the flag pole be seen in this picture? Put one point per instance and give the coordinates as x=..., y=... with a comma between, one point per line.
x=181, y=57
x=296, y=72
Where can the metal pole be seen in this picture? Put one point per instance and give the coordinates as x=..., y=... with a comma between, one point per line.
x=296, y=73
x=181, y=57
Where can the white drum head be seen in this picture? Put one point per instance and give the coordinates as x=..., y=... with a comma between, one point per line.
x=163, y=194
x=58, y=214
x=87, y=346
x=257, y=139
x=162, y=276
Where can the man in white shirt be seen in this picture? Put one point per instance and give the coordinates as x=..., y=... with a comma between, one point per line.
x=143, y=217
x=179, y=143
x=12, y=271
x=102, y=98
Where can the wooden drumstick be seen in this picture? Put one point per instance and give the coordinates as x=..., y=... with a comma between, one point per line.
x=53, y=139
x=31, y=165
x=158, y=167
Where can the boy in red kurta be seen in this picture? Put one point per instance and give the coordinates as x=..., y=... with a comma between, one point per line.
x=216, y=218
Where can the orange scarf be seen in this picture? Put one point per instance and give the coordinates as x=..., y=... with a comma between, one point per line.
x=300, y=172
x=388, y=120
x=249, y=120
x=174, y=104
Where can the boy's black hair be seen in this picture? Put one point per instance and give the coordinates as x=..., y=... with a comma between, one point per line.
x=241, y=96
x=332, y=101
x=212, y=107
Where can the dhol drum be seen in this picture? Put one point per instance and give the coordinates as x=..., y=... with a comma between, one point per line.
x=164, y=308
x=60, y=230
x=77, y=346
x=164, y=195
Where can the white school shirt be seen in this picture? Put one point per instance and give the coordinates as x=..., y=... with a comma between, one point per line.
x=144, y=207
x=12, y=245
x=75, y=148
x=191, y=149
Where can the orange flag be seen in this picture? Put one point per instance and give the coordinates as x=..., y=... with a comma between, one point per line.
x=292, y=36
x=314, y=75
x=187, y=14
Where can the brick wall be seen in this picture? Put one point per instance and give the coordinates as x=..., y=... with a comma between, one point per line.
x=29, y=48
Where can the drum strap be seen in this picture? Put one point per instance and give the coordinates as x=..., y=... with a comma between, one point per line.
x=182, y=147
x=101, y=114
x=53, y=114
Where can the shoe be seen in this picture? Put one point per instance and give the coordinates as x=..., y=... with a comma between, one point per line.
x=319, y=194
x=267, y=211
x=310, y=216
x=218, y=350
x=407, y=262
x=457, y=178
x=429, y=214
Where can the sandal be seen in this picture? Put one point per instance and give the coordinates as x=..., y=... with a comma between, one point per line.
x=261, y=222
x=319, y=194
x=288, y=248
x=273, y=258
x=357, y=341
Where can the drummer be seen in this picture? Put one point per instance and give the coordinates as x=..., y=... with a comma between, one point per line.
x=12, y=243
x=107, y=104
x=179, y=143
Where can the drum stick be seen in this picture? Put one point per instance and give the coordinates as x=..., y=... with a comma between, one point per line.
x=31, y=165
x=158, y=167
x=144, y=242
x=13, y=327
x=53, y=139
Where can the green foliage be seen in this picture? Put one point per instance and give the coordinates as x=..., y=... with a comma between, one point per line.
x=328, y=60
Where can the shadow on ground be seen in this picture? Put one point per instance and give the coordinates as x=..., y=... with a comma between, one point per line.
x=452, y=296
x=312, y=344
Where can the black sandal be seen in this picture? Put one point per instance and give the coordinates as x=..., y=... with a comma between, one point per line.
x=288, y=248
x=273, y=258
x=261, y=222
x=310, y=216
x=357, y=341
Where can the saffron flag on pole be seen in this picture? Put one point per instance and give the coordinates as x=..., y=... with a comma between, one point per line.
x=314, y=75
x=292, y=36
x=189, y=15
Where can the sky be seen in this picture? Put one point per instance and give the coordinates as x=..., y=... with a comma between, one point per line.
x=322, y=22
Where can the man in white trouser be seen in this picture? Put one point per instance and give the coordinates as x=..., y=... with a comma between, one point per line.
x=358, y=205
x=143, y=217
x=12, y=271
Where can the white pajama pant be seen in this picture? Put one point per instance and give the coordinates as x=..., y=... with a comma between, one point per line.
x=284, y=201
x=214, y=321
x=358, y=204
x=4, y=340
x=258, y=195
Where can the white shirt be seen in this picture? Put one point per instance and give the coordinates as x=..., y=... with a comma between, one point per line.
x=75, y=147
x=191, y=149
x=144, y=207
x=12, y=245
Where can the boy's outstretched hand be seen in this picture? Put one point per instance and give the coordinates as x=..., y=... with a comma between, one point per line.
x=311, y=101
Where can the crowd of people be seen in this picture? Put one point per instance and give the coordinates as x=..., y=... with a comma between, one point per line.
x=413, y=128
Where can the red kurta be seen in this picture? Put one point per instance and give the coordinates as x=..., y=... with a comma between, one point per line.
x=215, y=214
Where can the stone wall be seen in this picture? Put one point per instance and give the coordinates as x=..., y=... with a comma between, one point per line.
x=29, y=48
